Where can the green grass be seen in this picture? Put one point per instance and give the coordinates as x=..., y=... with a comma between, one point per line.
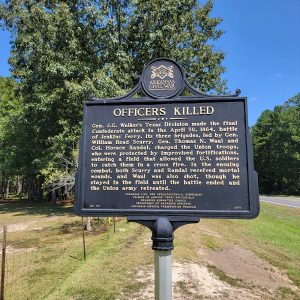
x=46, y=258
x=211, y=242
x=20, y=211
x=286, y=293
x=276, y=233
x=278, y=226
x=280, y=195
x=110, y=267
x=50, y=263
x=228, y=279
x=40, y=260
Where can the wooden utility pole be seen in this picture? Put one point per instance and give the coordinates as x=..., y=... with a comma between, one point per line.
x=3, y=263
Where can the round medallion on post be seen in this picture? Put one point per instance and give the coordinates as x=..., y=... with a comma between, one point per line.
x=162, y=78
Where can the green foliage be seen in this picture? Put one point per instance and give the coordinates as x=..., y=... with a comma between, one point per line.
x=276, y=141
x=181, y=30
x=11, y=108
x=62, y=51
x=55, y=58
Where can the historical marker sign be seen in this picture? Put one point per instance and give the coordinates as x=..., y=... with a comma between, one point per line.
x=184, y=156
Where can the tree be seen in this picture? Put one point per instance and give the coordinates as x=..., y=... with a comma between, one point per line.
x=261, y=133
x=55, y=57
x=181, y=30
x=276, y=141
x=290, y=142
x=62, y=51
x=10, y=109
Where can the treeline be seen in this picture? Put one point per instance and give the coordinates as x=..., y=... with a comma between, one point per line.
x=276, y=142
x=63, y=51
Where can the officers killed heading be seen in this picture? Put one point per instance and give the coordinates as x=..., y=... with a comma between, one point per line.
x=161, y=111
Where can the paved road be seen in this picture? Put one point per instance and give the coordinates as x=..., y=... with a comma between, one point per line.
x=286, y=201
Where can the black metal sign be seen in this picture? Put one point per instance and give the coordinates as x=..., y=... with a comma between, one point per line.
x=165, y=154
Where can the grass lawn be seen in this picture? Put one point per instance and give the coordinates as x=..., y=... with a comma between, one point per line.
x=275, y=235
x=45, y=259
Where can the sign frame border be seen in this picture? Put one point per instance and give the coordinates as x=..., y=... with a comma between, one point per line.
x=253, y=197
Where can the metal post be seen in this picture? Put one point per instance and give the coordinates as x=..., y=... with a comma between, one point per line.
x=3, y=262
x=162, y=237
x=163, y=275
x=83, y=239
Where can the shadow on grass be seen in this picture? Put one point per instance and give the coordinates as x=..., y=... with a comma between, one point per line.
x=25, y=207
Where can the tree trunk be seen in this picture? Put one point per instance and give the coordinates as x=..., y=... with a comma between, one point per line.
x=29, y=190
x=2, y=187
x=7, y=189
x=19, y=185
x=39, y=187
x=53, y=198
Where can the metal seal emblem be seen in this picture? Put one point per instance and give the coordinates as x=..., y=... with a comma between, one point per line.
x=162, y=72
x=162, y=78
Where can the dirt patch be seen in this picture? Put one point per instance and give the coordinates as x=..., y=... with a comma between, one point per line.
x=146, y=277
x=20, y=227
x=25, y=226
x=240, y=263
x=134, y=237
x=13, y=250
x=147, y=239
x=194, y=281
x=210, y=232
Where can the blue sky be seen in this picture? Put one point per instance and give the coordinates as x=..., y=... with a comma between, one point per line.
x=262, y=47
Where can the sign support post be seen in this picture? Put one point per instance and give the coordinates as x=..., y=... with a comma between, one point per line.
x=162, y=243
x=163, y=274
